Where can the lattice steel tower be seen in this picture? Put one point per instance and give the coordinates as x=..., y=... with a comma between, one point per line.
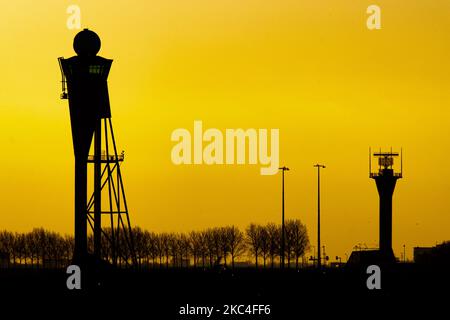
x=87, y=90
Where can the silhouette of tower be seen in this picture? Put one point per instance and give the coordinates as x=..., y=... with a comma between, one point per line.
x=385, y=179
x=87, y=90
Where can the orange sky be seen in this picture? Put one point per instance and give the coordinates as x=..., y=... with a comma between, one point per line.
x=311, y=69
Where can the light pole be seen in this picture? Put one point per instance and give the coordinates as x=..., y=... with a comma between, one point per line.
x=283, y=169
x=318, y=166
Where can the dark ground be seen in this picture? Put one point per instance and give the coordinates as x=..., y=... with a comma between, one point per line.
x=159, y=293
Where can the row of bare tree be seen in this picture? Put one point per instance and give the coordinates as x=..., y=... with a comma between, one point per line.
x=39, y=248
x=208, y=248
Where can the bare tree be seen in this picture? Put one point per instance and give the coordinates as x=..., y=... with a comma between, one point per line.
x=139, y=244
x=264, y=243
x=160, y=248
x=173, y=247
x=31, y=252
x=151, y=247
x=224, y=243
x=184, y=247
x=253, y=232
x=274, y=235
x=203, y=242
x=69, y=246
x=236, y=242
x=195, y=239
x=217, y=245
x=165, y=238
x=213, y=246
x=107, y=251
x=19, y=246
x=6, y=244
x=299, y=239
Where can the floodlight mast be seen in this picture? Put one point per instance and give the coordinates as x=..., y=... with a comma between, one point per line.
x=283, y=229
x=319, y=262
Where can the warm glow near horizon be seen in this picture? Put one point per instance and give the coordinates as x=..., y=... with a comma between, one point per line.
x=311, y=69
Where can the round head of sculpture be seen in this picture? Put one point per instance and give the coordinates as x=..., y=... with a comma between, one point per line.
x=86, y=43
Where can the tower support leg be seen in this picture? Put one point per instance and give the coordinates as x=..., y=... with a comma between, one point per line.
x=97, y=190
x=80, y=251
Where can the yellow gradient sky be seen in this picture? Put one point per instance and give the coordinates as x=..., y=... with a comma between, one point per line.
x=310, y=68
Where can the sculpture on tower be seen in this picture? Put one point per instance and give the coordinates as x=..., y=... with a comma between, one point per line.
x=86, y=77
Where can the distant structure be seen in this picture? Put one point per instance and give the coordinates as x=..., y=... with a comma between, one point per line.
x=437, y=255
x=87, y=90
x=385, y=178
